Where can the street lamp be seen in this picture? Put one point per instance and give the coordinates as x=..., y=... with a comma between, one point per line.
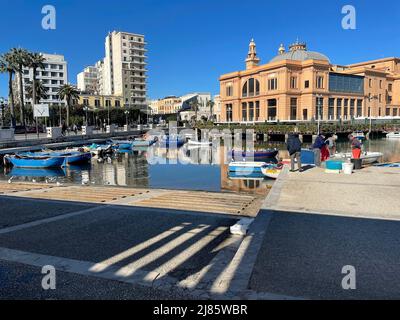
x=126, y=115
x=319, y=97
x=86, y=114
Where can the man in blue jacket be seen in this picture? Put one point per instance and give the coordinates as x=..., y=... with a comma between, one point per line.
x=294, y=148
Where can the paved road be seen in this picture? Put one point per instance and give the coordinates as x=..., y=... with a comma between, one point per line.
x=97, y=248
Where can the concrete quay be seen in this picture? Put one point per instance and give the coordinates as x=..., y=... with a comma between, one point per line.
x=122, y=243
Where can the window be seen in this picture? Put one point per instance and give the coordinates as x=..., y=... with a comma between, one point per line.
x=229, y=90
x=339, y=108
x=346, y=108
x=352, y=105
x=293, y=82
x=331, y=108
x=380, y=84
x=244, y=111
x=97, y=103
x=108, y=103
x=251, y=88
x=390, y=87
x=346, y=83
x=320, y=82
x=293, y=108
x=272, y=108
x=319, y=110
x=387, y=111
x=306, y=84
x=85, y=102
x=257, y=110
x=251, y=111
x=370, y=83
x=229, y=112
x=273, y=84
x=359, y=108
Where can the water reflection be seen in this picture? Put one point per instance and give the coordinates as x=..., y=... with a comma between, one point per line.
x=189, y=167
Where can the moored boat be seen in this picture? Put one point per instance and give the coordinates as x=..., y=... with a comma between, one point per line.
x=359, y=135
x=25, y=161
x=388, y=165
x=270, y=153
x=70, y=156
x=272, y=171
x=200, y=143
x=244, y=167
x=168, y=142
x=366, y=157
x=393, y=135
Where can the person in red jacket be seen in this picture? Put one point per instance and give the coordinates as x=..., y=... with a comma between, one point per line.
x=355, y=147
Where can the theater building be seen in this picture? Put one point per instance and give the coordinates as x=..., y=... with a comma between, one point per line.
x=302, y=85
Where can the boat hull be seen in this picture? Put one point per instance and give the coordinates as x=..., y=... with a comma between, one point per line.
x=255, y=154
x=246, y=168
x=36, y=162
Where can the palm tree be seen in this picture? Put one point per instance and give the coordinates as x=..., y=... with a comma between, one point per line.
x=68, y=92
x=35, y=61
x=7, y=66
x=20, y=57
x=194, y=105
x=211, y=104
x=39, y=93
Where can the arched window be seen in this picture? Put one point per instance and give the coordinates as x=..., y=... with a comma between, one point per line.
x=251, y=88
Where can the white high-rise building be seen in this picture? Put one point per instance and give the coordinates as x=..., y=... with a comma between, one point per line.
x=91, y=79
x=124, y=69
x=54, y=75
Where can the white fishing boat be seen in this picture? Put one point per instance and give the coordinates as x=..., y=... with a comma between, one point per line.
x=246, y=167
x=199, y=143
x=393, y=135
x=272, y=171
x=359, y=135
x=366, y=157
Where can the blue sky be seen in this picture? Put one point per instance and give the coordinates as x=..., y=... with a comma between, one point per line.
x=191, y=43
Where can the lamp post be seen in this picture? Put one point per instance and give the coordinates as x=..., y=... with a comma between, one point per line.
x=86, y=114
x=319, y=97
x=108, y=113
x=126, y=116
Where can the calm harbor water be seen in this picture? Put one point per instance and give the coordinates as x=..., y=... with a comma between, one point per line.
x=190, y=168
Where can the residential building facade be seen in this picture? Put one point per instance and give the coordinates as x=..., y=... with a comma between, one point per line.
x=96, y=101
x=88, y=80
x=301, y=85
x=54, y=75
x=124, y=69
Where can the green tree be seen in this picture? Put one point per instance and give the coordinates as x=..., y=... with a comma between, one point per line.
x=7, y=65
x=20, y=57
x=35, y=61
x=211, y=104
x=194, y=106
x=36, y=91
x=69, y=93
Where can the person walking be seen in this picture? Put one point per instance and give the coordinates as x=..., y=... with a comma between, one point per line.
x=294, y=148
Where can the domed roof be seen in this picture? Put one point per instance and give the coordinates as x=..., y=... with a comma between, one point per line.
x=298, y=51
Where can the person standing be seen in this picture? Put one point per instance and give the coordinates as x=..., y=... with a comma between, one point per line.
x=294, y=148
x=321, y=145
x=331, y=143
x=355, y=147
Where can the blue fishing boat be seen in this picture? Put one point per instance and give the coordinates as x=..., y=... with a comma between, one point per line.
x=144, y=142
x=37, y=173
x=246, y=168
x=262, y=154
x=70, y=156
x=388, y=165
x=168, y=142
x=21, y=161
x=121, y=144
